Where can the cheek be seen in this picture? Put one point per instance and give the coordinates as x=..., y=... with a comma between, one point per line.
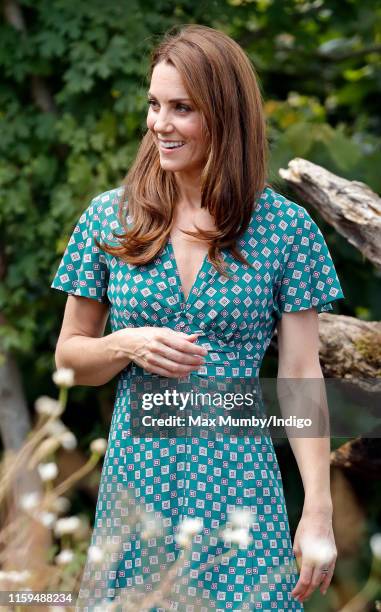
x=196, y=132
x=149, y=122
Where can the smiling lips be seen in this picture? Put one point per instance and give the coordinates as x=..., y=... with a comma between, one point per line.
x=170, y=145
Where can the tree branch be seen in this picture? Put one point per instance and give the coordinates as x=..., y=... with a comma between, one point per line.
x=351, y=207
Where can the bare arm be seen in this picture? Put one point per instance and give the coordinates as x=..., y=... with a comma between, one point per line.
x=82, y=347
x=298, y=346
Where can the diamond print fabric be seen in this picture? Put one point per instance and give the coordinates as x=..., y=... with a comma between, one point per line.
x=83, y=270
x=309, y=276
x=173, y=478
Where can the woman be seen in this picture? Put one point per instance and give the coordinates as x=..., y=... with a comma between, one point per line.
x=200, y=244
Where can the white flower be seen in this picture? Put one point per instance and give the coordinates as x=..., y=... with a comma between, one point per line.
x=241, y=517
x=61, y=504
x=64, y=377
x=47, y=471
x=83, y=529
x=65, y=556
x=190, y=526
x=375, y=545
x=317, y=551
x=45, y=518
x=68, y=440
x=29, y=501
x=56, y=428
x=240, y=536
x=95, y=554
x=150, y=528
x=48, y=406
x=13, y=576
x=67, y=525
x=183, y=540
x=99, y=446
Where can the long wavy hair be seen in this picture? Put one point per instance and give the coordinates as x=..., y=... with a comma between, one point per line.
x=222, y=84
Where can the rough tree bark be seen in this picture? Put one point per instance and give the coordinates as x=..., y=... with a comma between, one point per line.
x=351, y=207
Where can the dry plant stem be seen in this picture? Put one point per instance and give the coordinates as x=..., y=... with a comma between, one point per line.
x=19, y=460
x=13, y=527
x=218, y=559
x=169, y=579
x=66, y=484
x=156, y=598
x=37, y=456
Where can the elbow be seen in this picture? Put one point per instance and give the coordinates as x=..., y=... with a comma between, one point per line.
x=297, y=369
x=63, y=361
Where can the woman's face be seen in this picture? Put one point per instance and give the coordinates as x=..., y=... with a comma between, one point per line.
x=173, y=117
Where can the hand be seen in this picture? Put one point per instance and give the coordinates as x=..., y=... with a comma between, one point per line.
x=315, y=549
x=164, y=351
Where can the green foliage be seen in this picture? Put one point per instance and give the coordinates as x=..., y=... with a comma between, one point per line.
x=73, y=112
x=73, y=107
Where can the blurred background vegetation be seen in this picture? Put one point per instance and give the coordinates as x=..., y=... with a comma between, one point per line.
x=72, y=112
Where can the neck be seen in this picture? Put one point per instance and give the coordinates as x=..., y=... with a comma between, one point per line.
x=189, y=186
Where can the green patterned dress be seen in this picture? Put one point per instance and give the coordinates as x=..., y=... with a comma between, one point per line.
x=174, y=478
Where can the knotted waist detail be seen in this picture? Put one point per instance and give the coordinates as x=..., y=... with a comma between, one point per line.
x=230, y=354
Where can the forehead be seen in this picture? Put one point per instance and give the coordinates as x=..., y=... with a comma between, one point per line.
x=167, y=79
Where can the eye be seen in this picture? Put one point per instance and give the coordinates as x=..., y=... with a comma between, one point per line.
x=184, y=107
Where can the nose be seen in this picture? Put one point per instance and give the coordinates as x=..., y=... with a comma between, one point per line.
x=162, y=124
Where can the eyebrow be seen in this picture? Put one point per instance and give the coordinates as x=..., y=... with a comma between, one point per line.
x=149, y=94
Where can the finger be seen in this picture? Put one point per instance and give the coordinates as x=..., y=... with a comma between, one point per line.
x=327, y=580
x=315, y=582
x=194, y=336
x=167, y=373
x=183, y=344
x=174, y=368
x=168, y=352
x=304, y=581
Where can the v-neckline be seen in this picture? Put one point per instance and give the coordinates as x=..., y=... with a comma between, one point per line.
x=185, y=301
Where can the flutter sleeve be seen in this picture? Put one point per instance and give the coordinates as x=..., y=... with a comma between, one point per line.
x=83, y=268
x=308, y=277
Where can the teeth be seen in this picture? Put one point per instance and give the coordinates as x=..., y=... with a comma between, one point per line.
x=171, y=145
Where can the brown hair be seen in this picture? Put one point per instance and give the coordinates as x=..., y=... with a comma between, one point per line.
x=221, y=82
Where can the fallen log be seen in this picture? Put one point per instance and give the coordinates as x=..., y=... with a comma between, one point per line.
x=351, y=207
